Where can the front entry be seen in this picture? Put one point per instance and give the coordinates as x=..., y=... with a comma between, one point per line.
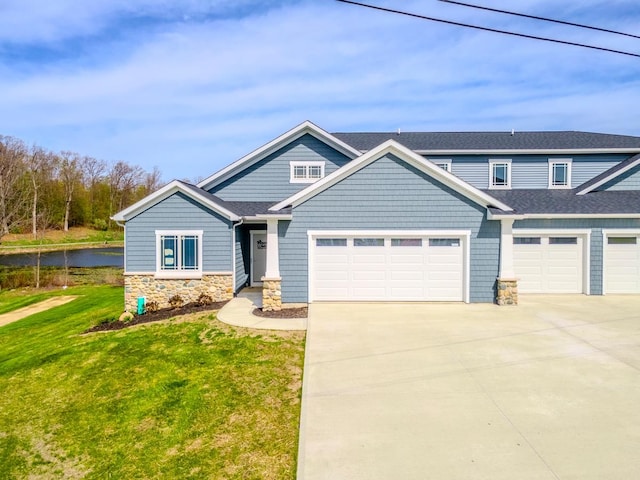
x=258, y=256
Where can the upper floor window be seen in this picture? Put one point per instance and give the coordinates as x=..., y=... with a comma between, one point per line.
x=499, y=173
x=443, y=164
x=560, y=173
x=306, y=172
x=178, y=251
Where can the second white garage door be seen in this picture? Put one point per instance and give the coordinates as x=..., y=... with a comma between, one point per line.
x=387, y=268
x=548, y=264
x=622, y=263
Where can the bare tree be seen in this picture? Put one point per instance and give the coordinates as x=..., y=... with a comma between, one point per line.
x=123, y=179
x=93, y=170
x=70, y=174
x=39, y=164
x=152, y=180
x=12, y=195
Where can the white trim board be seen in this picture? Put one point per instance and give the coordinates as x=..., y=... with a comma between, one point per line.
x=165, y=192
x=404, y=154
x=304, y=128
x=610, y=177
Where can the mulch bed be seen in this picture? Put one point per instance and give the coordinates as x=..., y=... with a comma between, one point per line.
x=161, y=314
x=300, y=312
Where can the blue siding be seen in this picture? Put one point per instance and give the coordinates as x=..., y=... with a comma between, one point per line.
x=529, y=171
x=596, y=226
x=389, y=194
x=178, y=212
x=268, y=179
x=629, y=180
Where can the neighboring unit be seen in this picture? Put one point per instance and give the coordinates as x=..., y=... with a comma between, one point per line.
x=416, y=216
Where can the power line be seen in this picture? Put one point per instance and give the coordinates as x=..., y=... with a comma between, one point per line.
x=493, y=30
x=544, y=19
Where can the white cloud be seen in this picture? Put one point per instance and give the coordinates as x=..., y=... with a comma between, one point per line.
x=194, y=96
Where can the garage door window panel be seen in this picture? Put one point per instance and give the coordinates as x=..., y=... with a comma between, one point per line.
x=563, y=240
x=406, y=242
x=368, y=242
x=331, y=242
x=444, y=242
x=527, y=240
x=622, y=240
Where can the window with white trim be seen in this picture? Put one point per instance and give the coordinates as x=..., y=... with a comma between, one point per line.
x=499, y=173
x=179, y=251
x=560, y=173
x=443, y=164
x=306, y=172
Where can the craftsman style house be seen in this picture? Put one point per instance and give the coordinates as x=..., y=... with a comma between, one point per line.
x=416, y=216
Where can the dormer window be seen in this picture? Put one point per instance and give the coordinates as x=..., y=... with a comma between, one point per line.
x=306, y=172
x=560, y=173
x=500, y=174
x=443, y=164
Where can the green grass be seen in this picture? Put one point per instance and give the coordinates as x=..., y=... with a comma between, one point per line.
x=59, y=238
x=186, y=398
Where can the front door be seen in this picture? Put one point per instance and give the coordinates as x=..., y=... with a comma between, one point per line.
x=258, y=256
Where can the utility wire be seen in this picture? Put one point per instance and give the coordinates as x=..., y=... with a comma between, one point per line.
x=544, y=19
x=487, y=29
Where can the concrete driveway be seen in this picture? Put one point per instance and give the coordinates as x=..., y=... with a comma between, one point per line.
x=546, y=390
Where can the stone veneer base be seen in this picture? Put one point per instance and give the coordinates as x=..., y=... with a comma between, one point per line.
x=219, y=287
x=507, y=292
x=271, y=294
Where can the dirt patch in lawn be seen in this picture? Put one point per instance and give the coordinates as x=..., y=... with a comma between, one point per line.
x=300, y=312
x=161, y=314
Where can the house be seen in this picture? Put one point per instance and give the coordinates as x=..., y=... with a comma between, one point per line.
x=416, y=216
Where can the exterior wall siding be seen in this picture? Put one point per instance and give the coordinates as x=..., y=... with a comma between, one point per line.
x=529, y=171
x=629, y=180
x=392, y=195
x=596, y=226
x=178, y=212
x=268, y=179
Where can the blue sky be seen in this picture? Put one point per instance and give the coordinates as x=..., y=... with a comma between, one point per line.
x=192, y=85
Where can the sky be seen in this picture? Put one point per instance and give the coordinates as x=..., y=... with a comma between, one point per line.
x=190, y=86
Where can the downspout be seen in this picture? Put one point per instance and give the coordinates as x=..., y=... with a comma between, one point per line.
x=233, y=250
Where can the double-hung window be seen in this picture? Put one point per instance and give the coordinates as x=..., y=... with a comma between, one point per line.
x=306, y=172
x=499, y=173
x=560, y=173
x=179, y=252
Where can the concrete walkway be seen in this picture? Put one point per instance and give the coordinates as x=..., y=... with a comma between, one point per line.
x=546, y=390
x=21, y=313
x=238, y=312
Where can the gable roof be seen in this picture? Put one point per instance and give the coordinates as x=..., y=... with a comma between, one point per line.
x=176, y=186
x=405, y=154
x=448, y=143
x=303, y=129
x=608, y=175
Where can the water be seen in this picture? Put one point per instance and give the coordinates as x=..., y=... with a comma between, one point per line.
x=85, y=257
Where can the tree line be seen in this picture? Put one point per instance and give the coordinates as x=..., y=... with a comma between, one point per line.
x=42, y=189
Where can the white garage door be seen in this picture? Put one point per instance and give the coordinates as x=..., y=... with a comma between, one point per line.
x=387, y=268
x=622, y=264
x=548, y=264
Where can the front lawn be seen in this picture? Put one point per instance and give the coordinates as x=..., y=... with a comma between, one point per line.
x=183, y=398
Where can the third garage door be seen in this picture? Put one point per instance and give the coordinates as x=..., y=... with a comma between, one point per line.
x=548, y=263
x=622, y=264
x=387, y=268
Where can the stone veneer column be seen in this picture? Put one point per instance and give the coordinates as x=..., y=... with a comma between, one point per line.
x=507, y=282
x=271, y=294
x=507, y=292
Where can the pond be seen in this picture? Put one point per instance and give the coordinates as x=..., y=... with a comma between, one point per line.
x=84, y=257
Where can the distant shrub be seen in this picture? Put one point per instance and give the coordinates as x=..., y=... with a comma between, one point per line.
x=100, y=224
x=176, y=301
x=204, y=299
x=152, y=307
